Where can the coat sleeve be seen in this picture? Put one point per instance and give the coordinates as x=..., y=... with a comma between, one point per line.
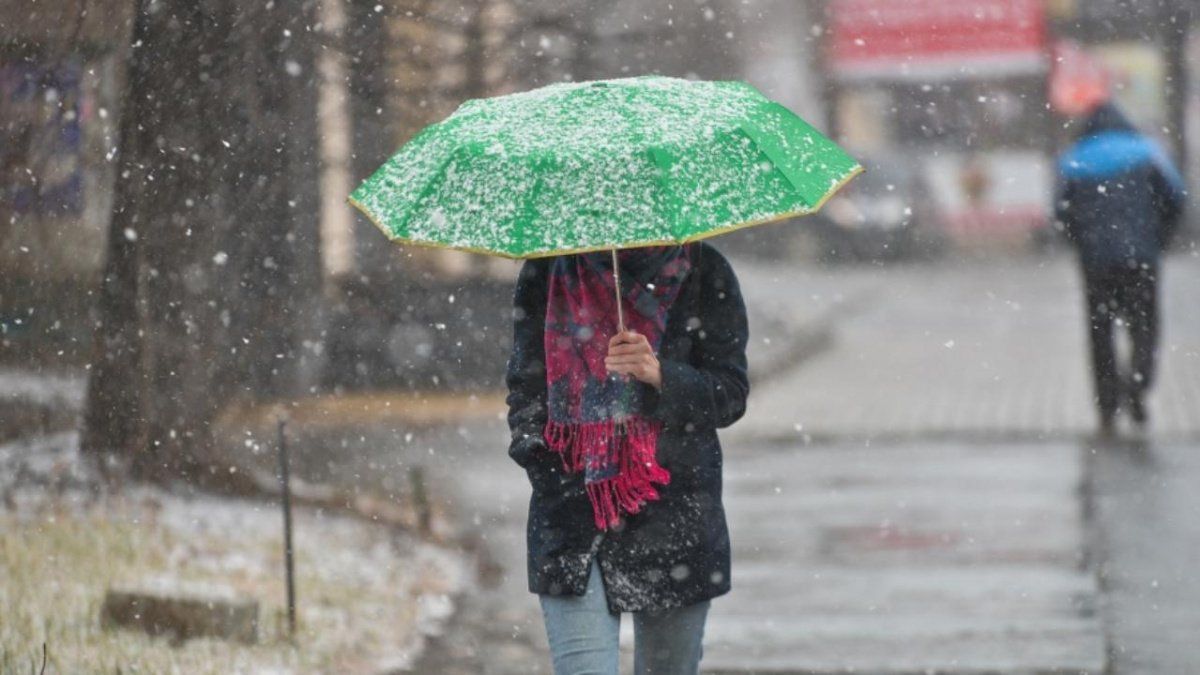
x=1064, y=212
x=1170, y=197
x=525, y=375
x=526, y=379
x=711, y=389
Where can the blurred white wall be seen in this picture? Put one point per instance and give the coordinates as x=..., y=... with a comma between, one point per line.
x=333, y=118
x=779, y=41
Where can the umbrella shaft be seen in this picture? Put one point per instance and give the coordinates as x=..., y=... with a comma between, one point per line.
x=617, y=284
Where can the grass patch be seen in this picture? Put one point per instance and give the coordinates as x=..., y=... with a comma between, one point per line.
x=363, y=589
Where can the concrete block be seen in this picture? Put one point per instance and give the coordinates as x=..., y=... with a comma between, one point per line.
x=182, y=611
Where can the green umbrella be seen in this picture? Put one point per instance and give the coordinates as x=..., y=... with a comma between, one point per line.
x=587, y=166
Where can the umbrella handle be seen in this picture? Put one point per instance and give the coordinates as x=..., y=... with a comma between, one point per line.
x=617, y=284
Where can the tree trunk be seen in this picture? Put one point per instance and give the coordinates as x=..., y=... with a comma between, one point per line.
x=373, y=139
x=217, y=201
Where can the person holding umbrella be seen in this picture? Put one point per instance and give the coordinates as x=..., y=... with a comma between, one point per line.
x=617, y=431
x=629, y=333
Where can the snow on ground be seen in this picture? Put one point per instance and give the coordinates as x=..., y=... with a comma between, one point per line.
x=367, y=594
x=39, y=388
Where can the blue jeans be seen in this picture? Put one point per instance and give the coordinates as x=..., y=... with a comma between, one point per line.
x=583, y=635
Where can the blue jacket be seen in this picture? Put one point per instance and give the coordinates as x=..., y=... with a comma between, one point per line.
x=1119, y=198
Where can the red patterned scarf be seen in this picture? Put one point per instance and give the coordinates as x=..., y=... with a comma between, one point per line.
x=595, y=418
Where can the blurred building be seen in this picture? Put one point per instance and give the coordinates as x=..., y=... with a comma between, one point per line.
x=60, y=78
x=61, y=73
x=959, y=91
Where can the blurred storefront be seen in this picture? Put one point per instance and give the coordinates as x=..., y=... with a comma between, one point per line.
x=959, y=90
x=956, y=90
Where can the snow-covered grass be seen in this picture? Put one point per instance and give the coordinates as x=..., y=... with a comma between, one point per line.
x=366, y=593
x=41, y=388
x=35, y=402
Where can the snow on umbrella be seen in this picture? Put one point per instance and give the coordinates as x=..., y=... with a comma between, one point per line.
x=578, y=167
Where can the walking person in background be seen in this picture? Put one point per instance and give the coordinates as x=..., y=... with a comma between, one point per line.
x=617, y=431
x=1119, y=199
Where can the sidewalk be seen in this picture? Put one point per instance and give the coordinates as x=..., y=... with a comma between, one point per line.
x=983, y=350
x=918, y=558
x=793, y=311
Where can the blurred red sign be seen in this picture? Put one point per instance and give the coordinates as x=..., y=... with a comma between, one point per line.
x=936, y=38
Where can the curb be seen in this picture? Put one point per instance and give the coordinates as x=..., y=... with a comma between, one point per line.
x=805, y=345
x=805, y=342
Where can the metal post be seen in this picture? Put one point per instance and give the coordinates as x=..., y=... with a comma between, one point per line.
x=286, y=491
x=416, y=476
x=617, y=283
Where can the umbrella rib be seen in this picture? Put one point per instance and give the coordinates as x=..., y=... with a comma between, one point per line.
x=527, y=208
x=663, y=161
x=775, y=161
x=430, y=185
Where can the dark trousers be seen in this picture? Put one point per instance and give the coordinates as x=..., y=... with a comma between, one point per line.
x=1132, y=296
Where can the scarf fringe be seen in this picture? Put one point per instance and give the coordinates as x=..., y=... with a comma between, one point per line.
x=633, y=441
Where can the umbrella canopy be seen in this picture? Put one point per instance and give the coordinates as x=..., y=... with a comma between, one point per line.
x=578, y=167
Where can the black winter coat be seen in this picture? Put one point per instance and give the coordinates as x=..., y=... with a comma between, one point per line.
x=676, y=551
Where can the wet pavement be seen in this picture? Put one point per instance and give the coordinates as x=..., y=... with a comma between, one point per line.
x=907, y=558
x=921, y=557
x=1147, y=509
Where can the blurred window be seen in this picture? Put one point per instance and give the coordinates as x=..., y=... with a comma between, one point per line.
x=971, y=114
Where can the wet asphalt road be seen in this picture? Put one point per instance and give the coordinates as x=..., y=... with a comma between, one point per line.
x=1146, y=525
